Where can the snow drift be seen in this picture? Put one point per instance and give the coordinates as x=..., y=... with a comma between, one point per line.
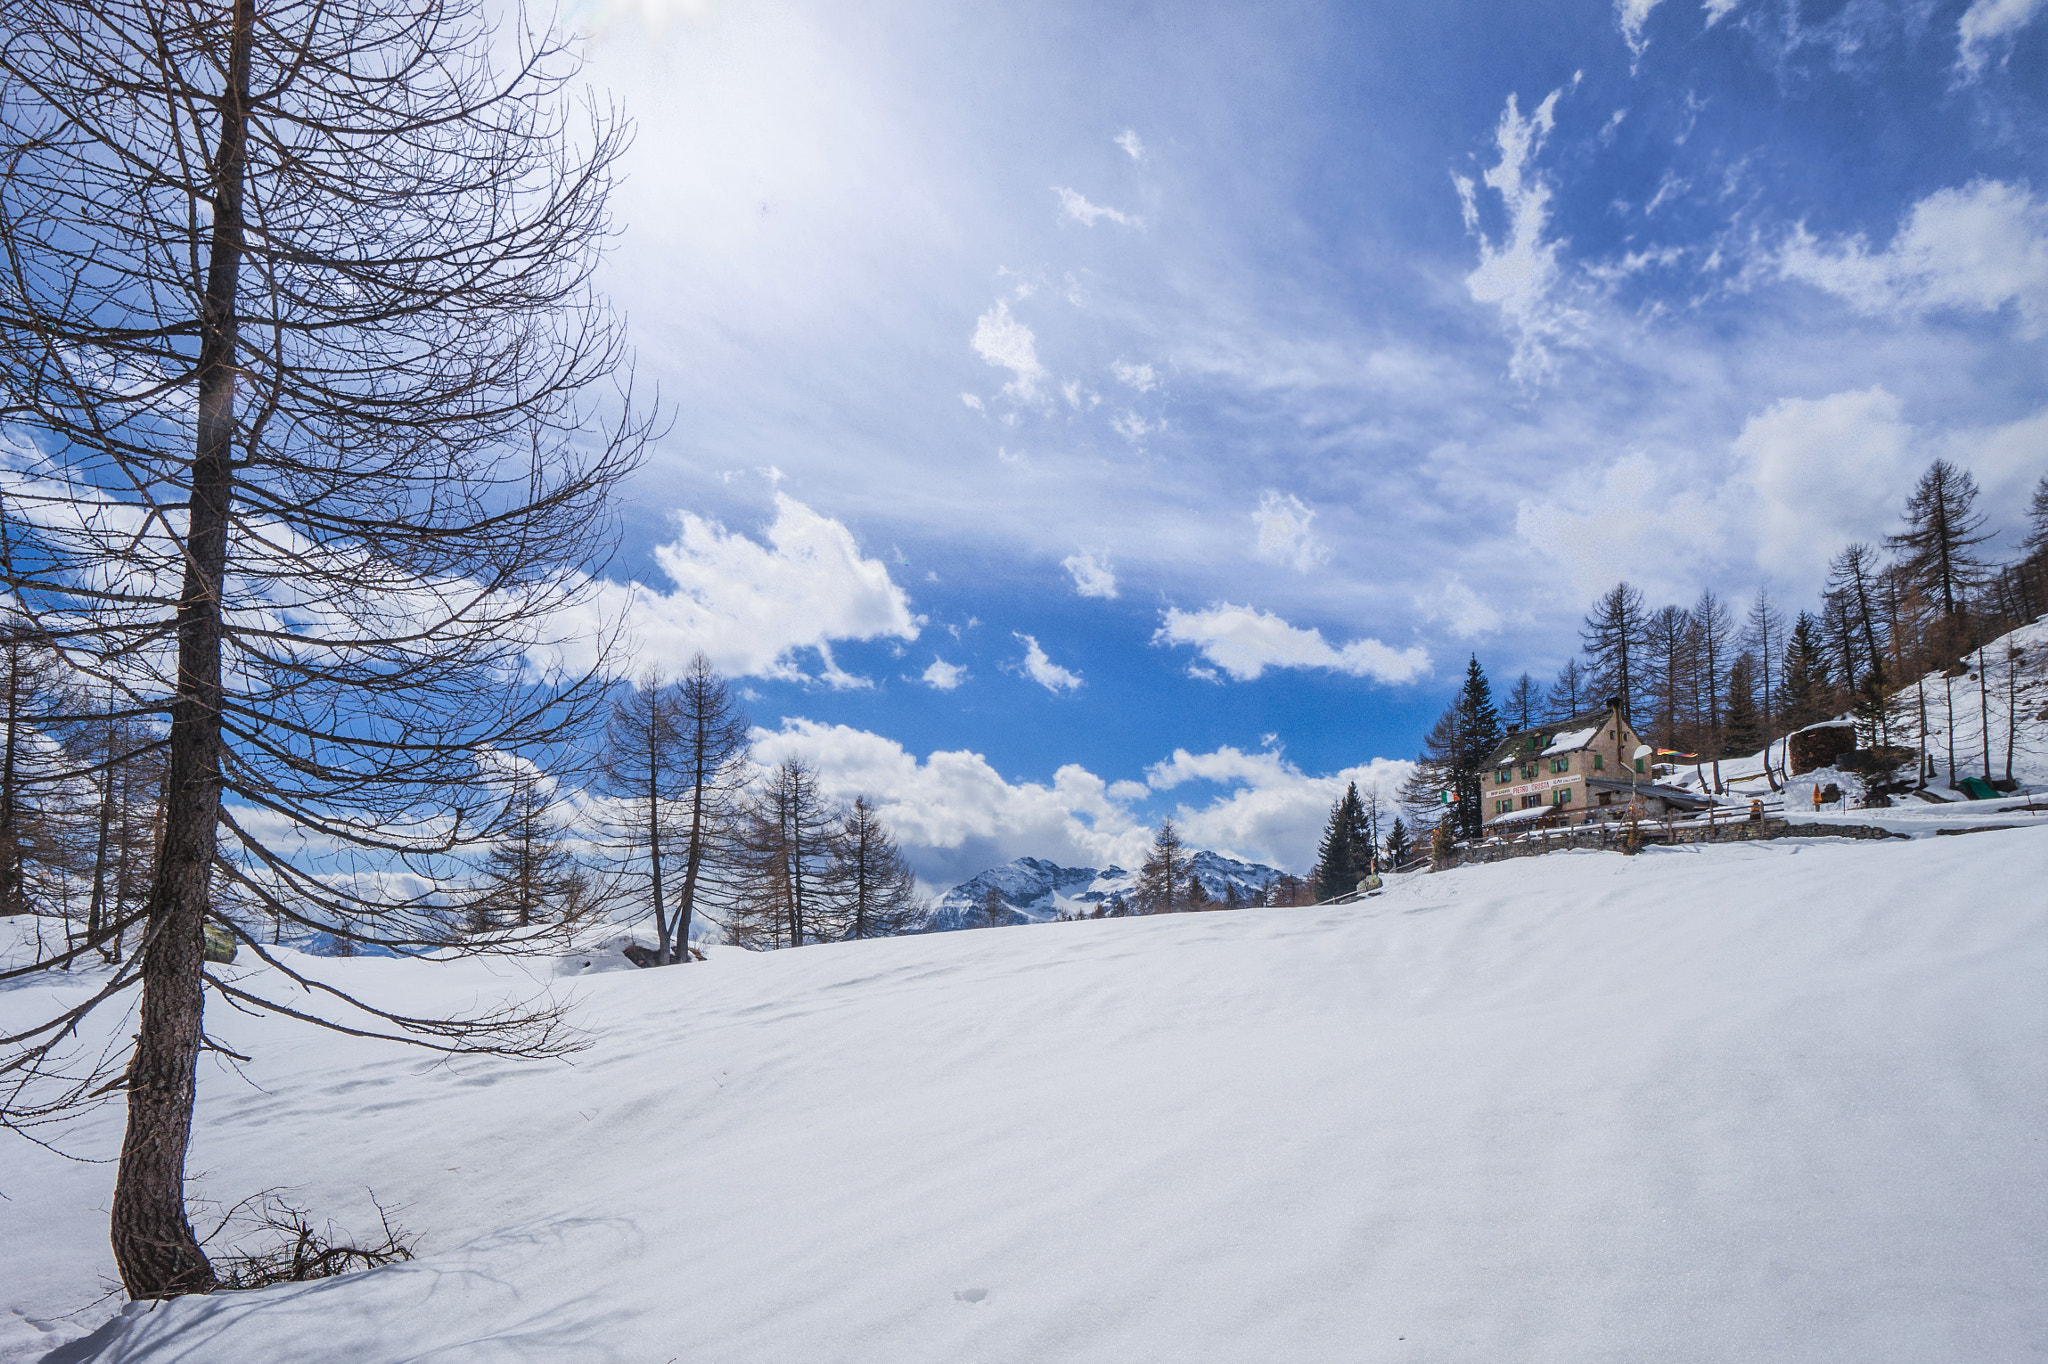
x=1775, y=1101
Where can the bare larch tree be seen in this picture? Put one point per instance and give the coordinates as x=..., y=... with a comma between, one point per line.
x=304, y=385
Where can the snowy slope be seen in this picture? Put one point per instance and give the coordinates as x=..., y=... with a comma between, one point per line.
x=1964, y=718
x=1038, y=890
x=1778, y=1101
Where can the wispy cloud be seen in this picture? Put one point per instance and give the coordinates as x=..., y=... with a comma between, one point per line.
x=1006, y=343
x=1285, y=536
x=1632, y=15
x=1077, y=208
x=944, y=676
x=1133, y=146
x=1987, y=25
x=1092, y=575
x=1140, y=377
x=1042, y=670
x=1131, y=426
x=1245, y=642
x=1520, y=274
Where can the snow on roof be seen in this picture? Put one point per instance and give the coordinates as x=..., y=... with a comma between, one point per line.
x=1528, y=816
x=1566, y=743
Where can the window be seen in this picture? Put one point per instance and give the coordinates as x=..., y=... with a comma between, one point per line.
x=1528, y=769
x=1598, y=766
x=1501, y=807
x=1531, y=802
x=1504, y=776
x=1563, y=797
x=1563, y=764
x=1639, y=764
x=1607, y=797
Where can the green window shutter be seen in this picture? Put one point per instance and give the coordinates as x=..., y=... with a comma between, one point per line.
x=1639, y=764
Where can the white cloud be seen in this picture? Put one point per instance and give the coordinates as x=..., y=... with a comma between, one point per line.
x=1632, y=15
x=1520, y=274
x=956, y=815
x=1073, y=206
x=1006, y=343
x=1461, y=608
x=1717, y=10
x=1129, y=141
x=972, y=400
x=1043, y=670
x=1285, y=536
x=1140, y=377
x=944, y=676
x=1985, y=23
x=1630, y=518
x=749, y=606
x=1244, y=642
x=1131, y=426
x=1092, y=575
x=1824, y=472
x=1079, y=398
x=1276, y=813
x=1977, y=248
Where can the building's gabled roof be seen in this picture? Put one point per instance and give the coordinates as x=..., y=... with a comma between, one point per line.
x=1559, y=736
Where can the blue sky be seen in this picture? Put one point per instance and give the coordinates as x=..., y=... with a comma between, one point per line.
x=1085, y=413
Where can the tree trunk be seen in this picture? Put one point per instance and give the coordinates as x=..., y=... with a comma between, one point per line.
x=662, y=954
x=2012, y=697
x=154, y=1248
x=1984, y=709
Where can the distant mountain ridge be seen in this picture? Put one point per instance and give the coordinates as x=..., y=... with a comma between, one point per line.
x=1037, y=890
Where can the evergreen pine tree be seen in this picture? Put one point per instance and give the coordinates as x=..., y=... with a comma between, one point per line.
x=1742, y=730
x=1479, y=734
x=1805, y=671
x=1345, y=854
x=1400, y=847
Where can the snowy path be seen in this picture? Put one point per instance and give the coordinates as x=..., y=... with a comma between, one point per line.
x=1783, y=1101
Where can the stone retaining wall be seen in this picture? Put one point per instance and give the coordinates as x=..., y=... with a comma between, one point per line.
x=1611, y=836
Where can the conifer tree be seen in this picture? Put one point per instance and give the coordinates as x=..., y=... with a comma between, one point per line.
x=867, y=889
x=1568, y=694
x=785, y=837
x=1712, y=634
x=1943, y=529
x=1525, y=703
x=1805, y=686
x=1164, y=874
x=1613, y=637
x=297, y=321
x=1479, y=733
x=1400, y=847
x=1667, y=670
x=532, y=876
x=1345, y=854
x=1765, y=629
x=1742, y=730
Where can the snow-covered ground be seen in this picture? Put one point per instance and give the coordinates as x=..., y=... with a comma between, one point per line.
x=1774, y=1101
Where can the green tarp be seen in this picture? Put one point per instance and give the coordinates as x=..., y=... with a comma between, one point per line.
x=1976, y=788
